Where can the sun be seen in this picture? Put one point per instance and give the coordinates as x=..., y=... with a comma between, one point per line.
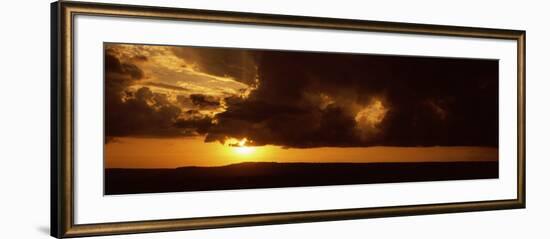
x=241, y=148
x=244, y=150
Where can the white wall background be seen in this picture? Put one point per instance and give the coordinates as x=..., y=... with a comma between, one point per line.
x=24, y=121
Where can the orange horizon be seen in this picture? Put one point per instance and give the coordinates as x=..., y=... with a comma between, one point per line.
x=193, y=151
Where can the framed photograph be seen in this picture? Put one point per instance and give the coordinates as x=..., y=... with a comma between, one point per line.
x=170, y=119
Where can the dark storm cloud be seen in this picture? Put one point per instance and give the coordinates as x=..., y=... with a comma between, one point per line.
x=140, y=113
x=307, y=99
x=198, y=125
x=205, y=101
x=140, y=58
x=114, y=66
x=429, y=101
x=166, y=86
x=236, y=63
x=144, y=114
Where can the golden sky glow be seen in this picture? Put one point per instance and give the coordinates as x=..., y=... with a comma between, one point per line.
x=178, y=152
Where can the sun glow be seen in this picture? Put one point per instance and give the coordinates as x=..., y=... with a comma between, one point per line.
x=240, y=147
x=244, y=150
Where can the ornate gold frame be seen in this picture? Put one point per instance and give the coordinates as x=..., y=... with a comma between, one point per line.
x=62, y=17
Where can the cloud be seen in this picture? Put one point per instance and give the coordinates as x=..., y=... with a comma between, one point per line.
x=139, y=103
x=205, y=101
x=343, y=100
x=195, y=125
x=142, y=113
x=209, y=71
x=166, y=86
x=300, y=99
x=238, y=64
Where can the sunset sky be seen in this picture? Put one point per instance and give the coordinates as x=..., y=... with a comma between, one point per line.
x=172, y=106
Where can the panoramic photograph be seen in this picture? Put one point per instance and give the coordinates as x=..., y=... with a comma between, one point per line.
x=188, y=118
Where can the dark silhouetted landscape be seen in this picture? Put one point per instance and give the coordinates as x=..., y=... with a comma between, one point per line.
x=250, y=175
